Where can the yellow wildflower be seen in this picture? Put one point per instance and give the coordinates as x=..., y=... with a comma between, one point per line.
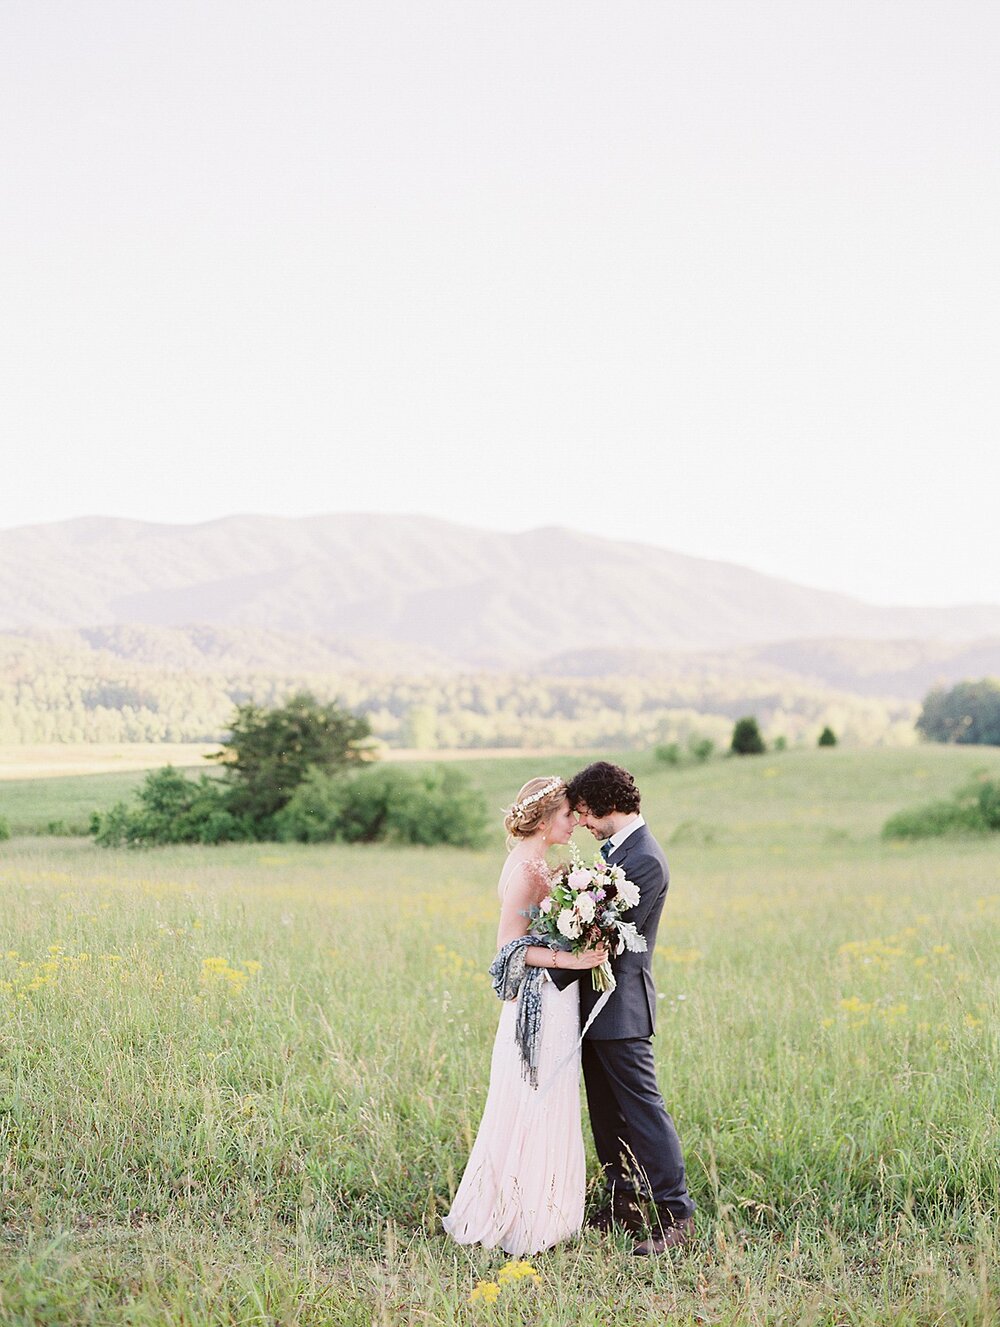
x=517, y=1271
x=487, y=1291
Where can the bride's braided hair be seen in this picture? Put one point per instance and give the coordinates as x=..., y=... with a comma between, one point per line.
x=534, y=803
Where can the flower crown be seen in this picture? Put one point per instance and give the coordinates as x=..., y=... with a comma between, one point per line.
x=519, y=809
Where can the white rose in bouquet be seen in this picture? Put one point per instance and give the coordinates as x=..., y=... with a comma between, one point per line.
x=569, y=924
x=628, y=893
x=586, y=908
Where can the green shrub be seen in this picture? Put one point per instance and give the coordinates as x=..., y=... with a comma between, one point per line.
x=439, y=805
x=974, y=809
x=669, y=753
x=172, y=809
x=747, y=739
x=4, y=830
x=988, y=799
x=701, y=748
x=827, y=737
x=316, y=812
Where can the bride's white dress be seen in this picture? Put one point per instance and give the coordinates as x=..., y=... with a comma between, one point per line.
x=523, y=1187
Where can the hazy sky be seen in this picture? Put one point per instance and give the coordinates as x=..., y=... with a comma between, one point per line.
x=720, y=276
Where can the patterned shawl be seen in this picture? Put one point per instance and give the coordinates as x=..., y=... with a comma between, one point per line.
x=513, y=979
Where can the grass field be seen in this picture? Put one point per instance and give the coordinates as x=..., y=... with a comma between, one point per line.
x=238, y=1085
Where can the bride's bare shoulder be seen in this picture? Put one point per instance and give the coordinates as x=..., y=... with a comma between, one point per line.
x=527, y=873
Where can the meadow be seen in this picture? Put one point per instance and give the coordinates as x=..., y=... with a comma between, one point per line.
x=238, y=1085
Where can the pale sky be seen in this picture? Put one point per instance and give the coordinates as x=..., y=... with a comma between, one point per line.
x=716, y=276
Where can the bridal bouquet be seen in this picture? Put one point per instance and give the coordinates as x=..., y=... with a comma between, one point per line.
x=583, y=909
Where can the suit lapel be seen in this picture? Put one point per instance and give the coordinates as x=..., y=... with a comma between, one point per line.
x=626, y=846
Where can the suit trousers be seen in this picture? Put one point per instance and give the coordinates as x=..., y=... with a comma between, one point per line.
x=636, y=1140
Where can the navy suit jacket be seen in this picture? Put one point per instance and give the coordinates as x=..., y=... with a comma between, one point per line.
x=631, y=1011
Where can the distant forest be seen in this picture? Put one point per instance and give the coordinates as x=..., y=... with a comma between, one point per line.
x=52, y=693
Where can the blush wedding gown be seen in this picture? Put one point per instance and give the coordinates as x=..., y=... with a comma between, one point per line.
x=523, y=1186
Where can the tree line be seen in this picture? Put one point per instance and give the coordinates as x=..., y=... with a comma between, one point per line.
x=47, y=700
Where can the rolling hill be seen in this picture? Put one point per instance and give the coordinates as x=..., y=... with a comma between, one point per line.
x=449, y=594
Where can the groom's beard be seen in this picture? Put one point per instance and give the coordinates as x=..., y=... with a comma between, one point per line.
x=601, y=832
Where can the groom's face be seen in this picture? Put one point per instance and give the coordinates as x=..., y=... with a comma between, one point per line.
x=600, y=826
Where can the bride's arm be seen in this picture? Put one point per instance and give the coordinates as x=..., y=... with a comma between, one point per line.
x=518, y=897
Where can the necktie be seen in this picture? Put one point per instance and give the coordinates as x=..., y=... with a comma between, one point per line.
x=606, y=849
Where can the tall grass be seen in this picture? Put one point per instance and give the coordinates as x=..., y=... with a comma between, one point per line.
x=188, y=1137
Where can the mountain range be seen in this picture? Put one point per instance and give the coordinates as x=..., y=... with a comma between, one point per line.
x=415, y=588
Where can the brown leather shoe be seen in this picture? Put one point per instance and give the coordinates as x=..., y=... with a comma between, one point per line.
x=623, y=1211
x=672, y=1236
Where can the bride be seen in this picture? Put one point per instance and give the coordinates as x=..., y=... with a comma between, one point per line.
x=523, y=1187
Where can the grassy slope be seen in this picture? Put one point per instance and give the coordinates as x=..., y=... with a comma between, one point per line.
x=278, y=1147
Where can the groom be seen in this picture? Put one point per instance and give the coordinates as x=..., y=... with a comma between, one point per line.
x=636, y=1141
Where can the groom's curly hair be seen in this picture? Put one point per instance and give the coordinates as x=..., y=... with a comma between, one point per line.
x=604, y=788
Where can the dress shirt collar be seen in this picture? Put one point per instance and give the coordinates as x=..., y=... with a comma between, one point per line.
x=616, y=840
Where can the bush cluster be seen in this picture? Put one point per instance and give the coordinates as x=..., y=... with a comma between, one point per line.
x=402, y=806
x=974, y=809
x=698, y=748
x=296, y=773
x=171, y=808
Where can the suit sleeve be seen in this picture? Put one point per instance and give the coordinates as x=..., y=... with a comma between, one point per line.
x=561, y=977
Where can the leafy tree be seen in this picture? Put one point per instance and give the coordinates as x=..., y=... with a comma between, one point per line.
x=968, y=712
x=827, y=737
x=269, y=751
x=747, y=739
